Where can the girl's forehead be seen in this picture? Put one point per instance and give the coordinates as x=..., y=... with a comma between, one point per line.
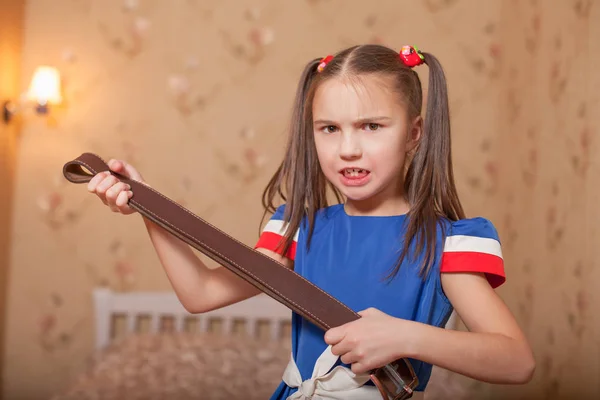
x=356, y=97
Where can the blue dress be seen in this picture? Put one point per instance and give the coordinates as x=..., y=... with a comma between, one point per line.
x=349, y=258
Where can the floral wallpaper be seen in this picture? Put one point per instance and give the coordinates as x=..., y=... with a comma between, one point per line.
x=548, y=169
x=197, y=94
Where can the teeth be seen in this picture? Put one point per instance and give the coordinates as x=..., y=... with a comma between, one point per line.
x=353, y=171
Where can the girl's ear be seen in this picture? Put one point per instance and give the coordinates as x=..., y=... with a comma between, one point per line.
x=415, y=130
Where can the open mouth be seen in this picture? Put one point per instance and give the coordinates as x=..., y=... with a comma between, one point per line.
x=354, y=172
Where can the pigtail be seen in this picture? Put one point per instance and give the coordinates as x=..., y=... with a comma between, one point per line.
x=298, y=180
x=437, y=126
x=429, y=181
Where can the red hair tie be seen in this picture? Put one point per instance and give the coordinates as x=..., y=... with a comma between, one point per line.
x=323, y=63
x=411, y=56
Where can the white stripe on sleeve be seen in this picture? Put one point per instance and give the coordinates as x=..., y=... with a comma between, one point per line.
x=458, y=243
x=279, y=227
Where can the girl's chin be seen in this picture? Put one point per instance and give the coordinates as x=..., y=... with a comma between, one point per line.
x=357, y=194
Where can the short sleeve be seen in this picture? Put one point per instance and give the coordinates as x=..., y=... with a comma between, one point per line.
x=473, y=245
x=272, y=236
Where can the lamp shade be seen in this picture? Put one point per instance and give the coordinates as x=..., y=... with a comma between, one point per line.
x=45, y=86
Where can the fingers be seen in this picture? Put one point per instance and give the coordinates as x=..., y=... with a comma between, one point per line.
x=359, y=368
x=122, y=201
x=117, y=197
x=112, y=192
x=115, y=165
x=357, y=359
x=350, y=358
x=334, y=335
x=343, y=347
x=125, y=168
x=133, y=173
x=106, y=184
x=93, y=183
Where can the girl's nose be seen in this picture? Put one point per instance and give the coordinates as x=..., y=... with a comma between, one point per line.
x=350, y=148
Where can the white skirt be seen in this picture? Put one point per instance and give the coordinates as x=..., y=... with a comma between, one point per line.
x=338, y=384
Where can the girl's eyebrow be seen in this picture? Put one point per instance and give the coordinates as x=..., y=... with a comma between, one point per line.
x=373, y=119
x=324, y=122
x=357, y=122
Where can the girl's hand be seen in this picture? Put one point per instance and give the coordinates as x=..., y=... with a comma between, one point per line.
x=114, y=193
x=372, y=341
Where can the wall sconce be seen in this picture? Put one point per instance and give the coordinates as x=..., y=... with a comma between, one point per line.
x=44, y=90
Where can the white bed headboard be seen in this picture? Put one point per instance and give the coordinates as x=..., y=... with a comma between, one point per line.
x=157, y=305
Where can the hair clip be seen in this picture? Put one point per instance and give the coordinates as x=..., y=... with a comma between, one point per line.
x=323, y=63
x=411, y=56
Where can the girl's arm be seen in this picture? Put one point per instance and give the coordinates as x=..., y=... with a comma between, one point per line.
x=494, y=350
x=199, y=288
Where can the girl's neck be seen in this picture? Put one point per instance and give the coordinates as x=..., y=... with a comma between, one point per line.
x=377, y=208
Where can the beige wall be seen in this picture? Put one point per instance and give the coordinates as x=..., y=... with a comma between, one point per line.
x=197, y=96
x=11, y=32
x=548, y=188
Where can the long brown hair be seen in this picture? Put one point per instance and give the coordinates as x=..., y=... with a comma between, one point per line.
x=429, y=181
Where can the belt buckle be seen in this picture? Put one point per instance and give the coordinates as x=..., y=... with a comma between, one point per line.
x=395, y=381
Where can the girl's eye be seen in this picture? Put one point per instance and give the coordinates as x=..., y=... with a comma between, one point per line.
x=330, y=129
x=372, y=126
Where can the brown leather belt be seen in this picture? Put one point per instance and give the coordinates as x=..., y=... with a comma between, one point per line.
x=395, y=381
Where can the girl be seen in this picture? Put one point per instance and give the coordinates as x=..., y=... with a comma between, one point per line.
x=398, y=248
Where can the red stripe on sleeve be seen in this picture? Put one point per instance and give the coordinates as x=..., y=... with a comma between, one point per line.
x=463, y=261
x=272, y=241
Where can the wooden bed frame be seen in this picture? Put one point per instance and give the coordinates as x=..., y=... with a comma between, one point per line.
x=158, y=305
